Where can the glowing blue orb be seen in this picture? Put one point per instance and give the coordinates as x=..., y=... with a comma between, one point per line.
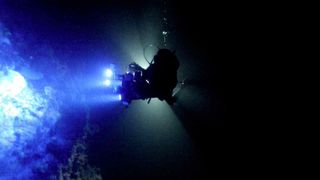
x=120, y=97
x=107, y=82
x=109, y=73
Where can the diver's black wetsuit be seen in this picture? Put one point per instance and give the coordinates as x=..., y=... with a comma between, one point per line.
x=158, y=80
x=162, y=73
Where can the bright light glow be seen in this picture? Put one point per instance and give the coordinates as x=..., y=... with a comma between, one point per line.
x=27, y=113
x=120, y=97
x=11, y=110
x=11, y=83
x=109, y=73
x=22, y=111
x=107, y=82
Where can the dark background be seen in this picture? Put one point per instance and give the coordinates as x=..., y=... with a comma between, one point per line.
x=182, y=142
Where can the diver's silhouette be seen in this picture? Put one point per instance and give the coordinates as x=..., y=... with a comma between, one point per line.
x=158, y=80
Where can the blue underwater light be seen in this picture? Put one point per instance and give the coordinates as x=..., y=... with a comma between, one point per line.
x=109, y=76
x=23, y=111
x=11, y=83
x=107, y=82
x=109, y=73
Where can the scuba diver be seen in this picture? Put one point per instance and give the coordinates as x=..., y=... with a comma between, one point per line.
x=158, y=80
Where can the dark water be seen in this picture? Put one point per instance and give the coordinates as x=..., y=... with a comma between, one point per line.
x=65, y=46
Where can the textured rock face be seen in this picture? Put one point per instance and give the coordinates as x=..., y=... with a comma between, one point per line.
x=27, y=114
x=23, y=111
x=35, y=139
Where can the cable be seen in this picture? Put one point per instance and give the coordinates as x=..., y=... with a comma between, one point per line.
x=144, y=52
x=165, y=31
x=165, y=26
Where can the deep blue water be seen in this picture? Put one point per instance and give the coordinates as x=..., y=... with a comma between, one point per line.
x=66, y=124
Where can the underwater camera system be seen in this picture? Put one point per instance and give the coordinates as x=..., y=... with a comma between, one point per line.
x=156, y=81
